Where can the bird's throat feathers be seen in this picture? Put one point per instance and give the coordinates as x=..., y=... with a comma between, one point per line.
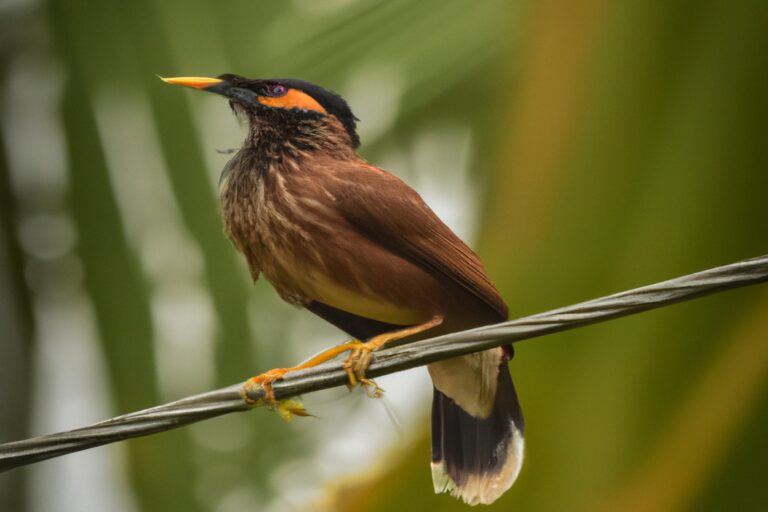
x=274, y=134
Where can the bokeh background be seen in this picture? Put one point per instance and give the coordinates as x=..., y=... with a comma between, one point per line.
x=582, y=146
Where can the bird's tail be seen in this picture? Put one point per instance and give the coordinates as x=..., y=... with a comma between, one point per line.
x=477, y=459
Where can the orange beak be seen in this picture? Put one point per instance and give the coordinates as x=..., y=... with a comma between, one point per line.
x=196, y=82
x=242, y=96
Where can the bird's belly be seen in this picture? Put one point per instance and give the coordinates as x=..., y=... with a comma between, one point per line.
x=363, y=304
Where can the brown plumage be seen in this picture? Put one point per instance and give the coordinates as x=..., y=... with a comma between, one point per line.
x=358, y=247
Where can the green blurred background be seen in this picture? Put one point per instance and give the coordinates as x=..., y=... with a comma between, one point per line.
x=582, y=146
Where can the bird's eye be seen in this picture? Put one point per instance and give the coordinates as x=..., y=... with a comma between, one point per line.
x=277, y=90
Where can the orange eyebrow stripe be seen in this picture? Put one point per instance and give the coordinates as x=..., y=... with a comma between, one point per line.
x=294, y=98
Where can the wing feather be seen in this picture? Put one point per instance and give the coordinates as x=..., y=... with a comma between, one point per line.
x=384, y=209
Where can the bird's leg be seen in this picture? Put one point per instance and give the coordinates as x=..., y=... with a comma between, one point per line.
x=259, y=388
x=251, y=392
x=361, y=355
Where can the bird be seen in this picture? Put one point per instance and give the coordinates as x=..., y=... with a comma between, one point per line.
x=359, y=248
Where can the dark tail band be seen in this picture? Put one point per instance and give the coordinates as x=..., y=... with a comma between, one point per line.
x=477, y=459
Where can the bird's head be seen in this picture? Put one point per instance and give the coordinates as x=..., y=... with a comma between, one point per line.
x=278, y=102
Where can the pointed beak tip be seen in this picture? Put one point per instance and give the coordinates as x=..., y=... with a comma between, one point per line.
x=195, y=82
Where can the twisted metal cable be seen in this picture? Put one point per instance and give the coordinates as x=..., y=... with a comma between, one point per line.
x=389, y=360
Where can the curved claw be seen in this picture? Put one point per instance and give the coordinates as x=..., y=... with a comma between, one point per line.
x=355, y=365
x=258, y=390
x=362, y=353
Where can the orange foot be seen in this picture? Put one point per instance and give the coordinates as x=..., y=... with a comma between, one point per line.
x=355, y=365
x=361, y=354
x=259, y=388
